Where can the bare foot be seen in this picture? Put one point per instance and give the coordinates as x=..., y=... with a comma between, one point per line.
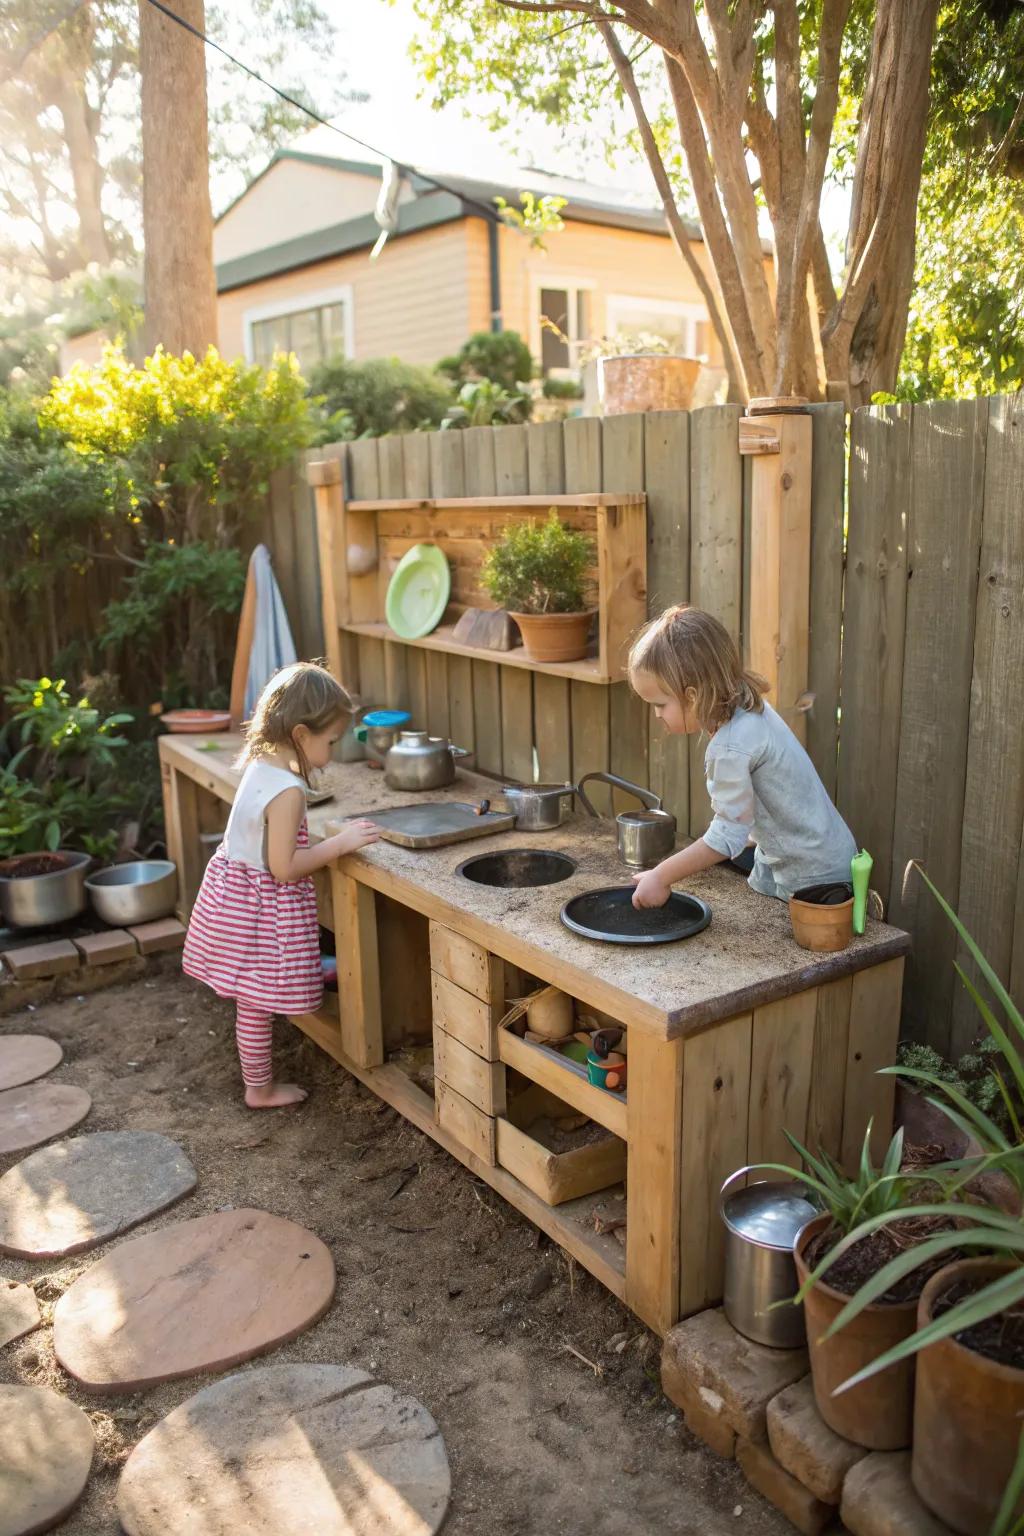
x=274, y=1095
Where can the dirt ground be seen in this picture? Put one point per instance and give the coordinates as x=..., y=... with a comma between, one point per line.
x=443, y=1290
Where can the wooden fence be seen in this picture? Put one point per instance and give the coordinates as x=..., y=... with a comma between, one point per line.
x=916, y=639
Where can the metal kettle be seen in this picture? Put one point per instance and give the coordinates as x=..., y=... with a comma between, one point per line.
x=644, y=837
x=418, y=761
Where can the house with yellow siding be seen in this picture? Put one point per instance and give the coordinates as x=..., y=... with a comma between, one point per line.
x=294, y=268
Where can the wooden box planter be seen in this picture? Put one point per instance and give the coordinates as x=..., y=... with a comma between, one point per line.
x=555, y=1176
x=378, y=533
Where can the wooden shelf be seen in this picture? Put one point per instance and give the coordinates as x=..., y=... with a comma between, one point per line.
x=587, y=671
x=500, y=503
x=565, y=1078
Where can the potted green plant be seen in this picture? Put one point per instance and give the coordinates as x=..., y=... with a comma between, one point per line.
x=872, y=1202
x=641, y=373
x=539, y=572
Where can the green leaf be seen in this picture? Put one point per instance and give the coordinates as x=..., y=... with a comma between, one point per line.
x=1011, y=1498
x=51, y=837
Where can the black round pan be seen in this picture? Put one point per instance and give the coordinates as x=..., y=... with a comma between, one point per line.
x=609, y=915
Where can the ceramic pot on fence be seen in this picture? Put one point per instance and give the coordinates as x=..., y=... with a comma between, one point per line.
x=646, y=382
x=967, y=1417
x=878, y=1413
x=555, y=636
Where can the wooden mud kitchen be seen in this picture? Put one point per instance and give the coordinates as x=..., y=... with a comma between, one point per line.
x=732, y=1037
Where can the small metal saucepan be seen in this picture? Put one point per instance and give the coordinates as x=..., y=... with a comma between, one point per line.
x=537, y=807
x=644, y=837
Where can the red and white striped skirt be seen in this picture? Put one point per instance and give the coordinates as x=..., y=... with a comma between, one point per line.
x=254, y=939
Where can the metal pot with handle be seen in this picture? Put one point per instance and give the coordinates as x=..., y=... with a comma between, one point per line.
x=644, y=837
x=537, y=807
x=761, y=1224
x=418, y=761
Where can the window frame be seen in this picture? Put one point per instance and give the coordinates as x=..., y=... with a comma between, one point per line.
x=342, y=294
x=693, y=315
x=574, y=286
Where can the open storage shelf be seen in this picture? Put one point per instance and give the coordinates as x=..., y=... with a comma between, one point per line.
x=565, y=1078
x=466, y=528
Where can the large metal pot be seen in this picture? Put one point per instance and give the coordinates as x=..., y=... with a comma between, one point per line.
x=419, y=761
x=134, y=893
x=644, y=837
x=38, y=901
x=537, y=807
x=761, y=1225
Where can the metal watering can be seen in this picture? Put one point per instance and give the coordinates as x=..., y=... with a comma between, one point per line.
x=761, y=1225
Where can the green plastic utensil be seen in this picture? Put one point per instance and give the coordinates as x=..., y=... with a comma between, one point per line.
x=418, y=592
x=860, y=873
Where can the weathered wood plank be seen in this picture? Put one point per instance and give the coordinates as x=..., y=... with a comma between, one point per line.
x=874, y=629
x=667, y=482
x=588, y=702
x=623, y=456
x=871, y=1045
x=994, y=795
x=716, y=559
x=828, y=1068
x=828, y=509
x=364, y=482
x=449, y=678
x=416, y=462
x=654, y=1206
x=391, y=474
x=486, y=675
x=948, y=438
x=512, y=476
x=716, y=1094
x=552, y=728
x=780, y=1076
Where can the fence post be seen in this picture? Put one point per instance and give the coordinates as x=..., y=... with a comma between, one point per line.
x=324, y=475
x=777, y=434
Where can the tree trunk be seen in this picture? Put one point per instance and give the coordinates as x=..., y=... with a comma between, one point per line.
x=181, y=300
x=79, y=123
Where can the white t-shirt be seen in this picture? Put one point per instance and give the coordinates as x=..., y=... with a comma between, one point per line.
x=245, y=837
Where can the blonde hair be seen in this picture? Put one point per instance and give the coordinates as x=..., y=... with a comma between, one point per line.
x=686, y=648
x=302, y=694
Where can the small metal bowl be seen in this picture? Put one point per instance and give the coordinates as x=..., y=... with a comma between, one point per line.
x=134, y=893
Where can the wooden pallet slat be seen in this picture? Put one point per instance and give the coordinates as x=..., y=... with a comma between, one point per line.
x=588, y=703
x=552, y=721
x=667, y=482
x=828, y=510
x=485, y=679
x=623, y=459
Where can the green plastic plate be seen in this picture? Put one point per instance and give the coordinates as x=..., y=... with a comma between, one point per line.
x=418, y=592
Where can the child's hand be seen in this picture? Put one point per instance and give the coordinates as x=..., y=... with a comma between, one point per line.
x=651, y=890
x=358, y=834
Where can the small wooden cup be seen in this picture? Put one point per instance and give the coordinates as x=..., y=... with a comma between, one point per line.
x=820, y=927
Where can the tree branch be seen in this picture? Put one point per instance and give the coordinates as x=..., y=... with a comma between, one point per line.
x=627, y=79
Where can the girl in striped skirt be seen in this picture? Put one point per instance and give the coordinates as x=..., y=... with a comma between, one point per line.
x=253, y=934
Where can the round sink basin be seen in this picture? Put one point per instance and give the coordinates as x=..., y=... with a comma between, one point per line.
x=518, y=867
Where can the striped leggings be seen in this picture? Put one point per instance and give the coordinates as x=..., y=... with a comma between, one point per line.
x=254, y=1032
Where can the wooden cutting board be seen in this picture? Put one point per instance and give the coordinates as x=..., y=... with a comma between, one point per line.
x=434, y=823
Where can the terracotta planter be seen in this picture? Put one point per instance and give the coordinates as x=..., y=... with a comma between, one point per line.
x=638, y=382
x=821, y=928
x=879, y=1413
x=555, y=636
x=967, y=1418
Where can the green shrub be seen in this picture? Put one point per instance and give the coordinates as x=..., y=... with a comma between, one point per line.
x=484, y=404
x=378, y=397
x=500, y=356
x=58, y=786
x=539, y=568
x=563, y=389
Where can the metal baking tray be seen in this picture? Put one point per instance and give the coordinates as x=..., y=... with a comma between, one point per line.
x=609, y=915
x=434, y=823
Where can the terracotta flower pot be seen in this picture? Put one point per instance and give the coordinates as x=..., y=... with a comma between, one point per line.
x=555, y=636
x=820, y=927
x=641, y=382
x=878, y=1413
x=967, y=1417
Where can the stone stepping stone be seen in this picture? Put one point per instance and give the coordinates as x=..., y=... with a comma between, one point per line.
x=45, y=1457
x=315, y=1450
x=26, y=1057
x=74, y=1195
x=19, y=1311
x=197, y=1296
x=39, y=1111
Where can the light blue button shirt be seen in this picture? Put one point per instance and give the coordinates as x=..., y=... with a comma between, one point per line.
x=765, y=789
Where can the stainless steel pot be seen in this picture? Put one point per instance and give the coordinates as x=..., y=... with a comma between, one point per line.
x=644, y=837
x=419, y=761
x=761, y=1226
x=134, y=893
x=37, y=901
x=537, y=807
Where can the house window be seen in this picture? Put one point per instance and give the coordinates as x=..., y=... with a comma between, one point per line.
x=315, y=328
x=682, y=326
x=567, y=308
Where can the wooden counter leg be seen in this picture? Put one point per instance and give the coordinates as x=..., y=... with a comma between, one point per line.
x=654, y=1121
x=355, y=929
x=181, y=820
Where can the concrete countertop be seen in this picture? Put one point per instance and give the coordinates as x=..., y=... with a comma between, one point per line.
x=746, y=957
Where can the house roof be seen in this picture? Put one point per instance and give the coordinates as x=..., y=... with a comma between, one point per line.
x=585, y=203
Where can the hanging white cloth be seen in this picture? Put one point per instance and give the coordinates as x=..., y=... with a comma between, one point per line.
x=272, y=643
